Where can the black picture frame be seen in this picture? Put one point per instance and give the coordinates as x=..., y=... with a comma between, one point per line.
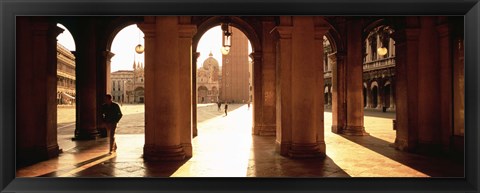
x=10, y=9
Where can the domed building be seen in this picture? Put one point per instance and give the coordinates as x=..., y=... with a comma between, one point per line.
x=208, y=81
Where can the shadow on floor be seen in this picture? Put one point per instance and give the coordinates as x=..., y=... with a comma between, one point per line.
x=443, y=167
x=266, y=162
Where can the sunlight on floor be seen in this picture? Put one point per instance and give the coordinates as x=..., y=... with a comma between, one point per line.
x=224, y=152
x=366, y=162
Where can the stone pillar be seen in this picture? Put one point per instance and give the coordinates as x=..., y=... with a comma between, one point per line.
x=428, y=94
x=266, y=74
x=329, y=97
x=380, y=95
x=369, y=97
x=284, y=87
x=186, y=33
x=162, y=92
x=445, y=71
x=339, y=117
x=319, y=123
x=86, y=76
x=354, y=76
x=307, y=58
x=103, y=76
x=36, y=84
x=194, y=94
x=392, y=96
x=108, y=57
x=257, y=102
x=406, y=52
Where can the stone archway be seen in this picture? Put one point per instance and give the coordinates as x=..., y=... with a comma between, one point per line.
x=260, y=126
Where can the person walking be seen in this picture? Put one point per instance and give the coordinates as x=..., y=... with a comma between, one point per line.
x=226, y=108
x=248, y=105
x=111, y=114
x=219, y=104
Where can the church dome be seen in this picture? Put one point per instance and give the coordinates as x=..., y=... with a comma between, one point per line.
x=210, y=62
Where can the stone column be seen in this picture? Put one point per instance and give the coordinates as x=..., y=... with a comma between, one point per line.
x=428, y=93
x=162, y=89
x=392, y=96
x=338, y=94
x=104, y=86
x=319, y=123
x=380, y=96
x=86, y=76
x=186, y=33
x=446, y=107
x=354, y=76
x=36, y=84
x=194, y=94
x=108, y=57
x=257, y=102
x=406, y=55
x=268, y=78
x=369, y=97
x=307, y=58
x=284, y=88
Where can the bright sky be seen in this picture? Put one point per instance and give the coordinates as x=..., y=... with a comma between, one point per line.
x=123, y=46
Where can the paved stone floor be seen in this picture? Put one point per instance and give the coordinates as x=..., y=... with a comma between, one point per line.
x=225, y=147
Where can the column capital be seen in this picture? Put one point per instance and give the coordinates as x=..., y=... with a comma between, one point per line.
x=148, y=27
x=187, y=31
x=256, y=56
x=195, y=55
x=284, y=32
x=108, y=55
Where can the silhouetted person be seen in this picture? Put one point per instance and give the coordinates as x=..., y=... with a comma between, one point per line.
x=219, y=104
x=111, y=114
x=226, y=109
x=248, y=105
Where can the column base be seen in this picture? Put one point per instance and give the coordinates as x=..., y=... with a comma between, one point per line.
x=403, y=145
x=29, y=156
x=187, y=148
x=354, y=131
x=163, y=153
x=309, y=150
x=268, y=130
x=84, y=134
x=194, y=131
x=337, y=129
x=282, y=148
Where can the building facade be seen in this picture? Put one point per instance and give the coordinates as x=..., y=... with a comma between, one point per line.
x=128, y=86
x=236, y=70
x=378, y=70
x=208, y=81
x=65, y=76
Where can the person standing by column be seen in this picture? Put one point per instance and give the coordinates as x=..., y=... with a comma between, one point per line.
x=111, y=115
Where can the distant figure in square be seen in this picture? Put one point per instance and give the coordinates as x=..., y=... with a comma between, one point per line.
x=219, y=104
x=226, y=108
x=111, y=114
x=248, y=104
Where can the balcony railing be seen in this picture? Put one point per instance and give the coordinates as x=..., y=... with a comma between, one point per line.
x=379, y=64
